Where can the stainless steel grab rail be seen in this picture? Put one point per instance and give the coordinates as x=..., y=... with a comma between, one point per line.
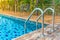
x=31, y=15
x=53, y=15
x=42, y=15
x=43, y=19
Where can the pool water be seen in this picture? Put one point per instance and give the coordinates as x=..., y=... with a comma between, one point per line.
x=11, y=27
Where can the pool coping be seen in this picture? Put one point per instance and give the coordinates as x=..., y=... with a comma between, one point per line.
x=17, y=17
x=25, y=34
x=35, y=31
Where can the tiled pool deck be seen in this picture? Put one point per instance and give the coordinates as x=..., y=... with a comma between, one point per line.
x=49, y=36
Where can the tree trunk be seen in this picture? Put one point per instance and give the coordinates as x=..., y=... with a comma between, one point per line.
x=8, y=6
x=1, y=4
x=15, y=6
x=28, y=6
x=37, y=1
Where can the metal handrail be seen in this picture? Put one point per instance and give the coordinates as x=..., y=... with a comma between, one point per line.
x=31, y=15
x=43, y=20
x=53, y=15
x=37, y=20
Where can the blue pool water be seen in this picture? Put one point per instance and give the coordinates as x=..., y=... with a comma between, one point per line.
x=11, y=27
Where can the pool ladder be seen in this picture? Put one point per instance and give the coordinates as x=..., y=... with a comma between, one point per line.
x=53, y=18
x=31, y=15
x=42, y=15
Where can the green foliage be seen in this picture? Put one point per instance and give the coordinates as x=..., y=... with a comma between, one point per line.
x=26, y=1
x=57, y=2
x=32, y=4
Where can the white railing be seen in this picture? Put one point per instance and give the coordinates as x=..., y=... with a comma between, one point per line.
x=36, y=9
x=42, y=15
x=53, y=18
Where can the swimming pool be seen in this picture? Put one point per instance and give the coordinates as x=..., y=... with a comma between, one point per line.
x=12, y=27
